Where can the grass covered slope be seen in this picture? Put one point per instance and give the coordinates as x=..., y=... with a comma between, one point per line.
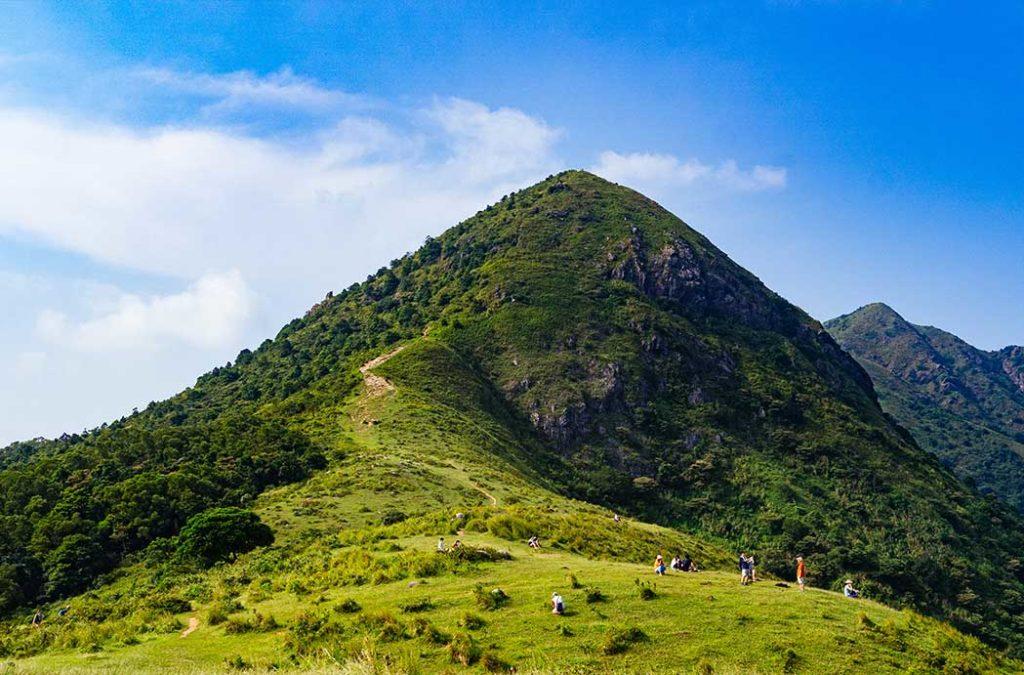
x=573, y=345
x=353, y=582
x=961, y=403
x=695, y=623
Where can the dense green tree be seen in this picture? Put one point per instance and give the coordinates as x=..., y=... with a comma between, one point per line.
x=73, y=565
x=221, y=533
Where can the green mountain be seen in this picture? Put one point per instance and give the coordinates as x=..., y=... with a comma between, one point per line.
x=572, y=348
x=963, y=404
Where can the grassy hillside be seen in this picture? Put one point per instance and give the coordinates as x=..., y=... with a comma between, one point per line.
x=961, y=403
x=570, y=349
x=341, y=591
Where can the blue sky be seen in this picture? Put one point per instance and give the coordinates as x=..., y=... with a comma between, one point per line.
x=179, y=180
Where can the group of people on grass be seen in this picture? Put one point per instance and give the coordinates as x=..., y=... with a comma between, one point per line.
x=748, y=571
x=443, y=548
x=679, y=564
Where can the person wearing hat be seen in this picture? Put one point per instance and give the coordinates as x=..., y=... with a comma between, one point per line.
x=557, y=604
x=849, y=591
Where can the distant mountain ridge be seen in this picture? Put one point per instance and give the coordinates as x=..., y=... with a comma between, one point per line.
x=964, y=404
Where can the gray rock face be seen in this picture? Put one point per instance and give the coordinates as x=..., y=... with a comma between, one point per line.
x=1013, y=365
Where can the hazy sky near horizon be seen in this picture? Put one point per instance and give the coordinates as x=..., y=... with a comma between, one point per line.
x=178, y=180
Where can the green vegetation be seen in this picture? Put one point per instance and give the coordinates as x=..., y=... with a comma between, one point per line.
x=571, y=348
x=963, y=404
x=75, y=508
x=221, y=533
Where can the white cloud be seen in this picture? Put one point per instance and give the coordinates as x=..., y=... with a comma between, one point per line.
x=180, y=201
x=492, y=143
x=665, y=171
x=208, y=314
x=233, y=90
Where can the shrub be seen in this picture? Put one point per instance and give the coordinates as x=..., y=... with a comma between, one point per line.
x=422, y=628
x=510, y=527
x=480, y=554
x=490, y=600
x=393, y=517
x=172, y=604
x=595, y=595
x=237, y=663
x=645, y=590
x=309, y=631
x=493, y=664
x=422, y=605
x=618, y=641
x=217, y=613
x=789, y=661
x=471, y=621
x=463, y=649
x=573, y=582
x=221, y=533
x=384, y=626
x=347, y=606
x=258, y=623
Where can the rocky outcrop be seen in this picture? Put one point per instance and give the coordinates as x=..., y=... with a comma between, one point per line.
x=1013, y=365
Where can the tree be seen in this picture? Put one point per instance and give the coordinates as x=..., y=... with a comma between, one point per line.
x=71, y=566
x=221, y=533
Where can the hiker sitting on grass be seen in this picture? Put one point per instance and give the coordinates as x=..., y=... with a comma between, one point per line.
x=37, y=618
x=849, y=591
x=534, y=542
x=441, y=548
x=457, y=545
x=687, y=565
x=557, y=604
x=659, y=566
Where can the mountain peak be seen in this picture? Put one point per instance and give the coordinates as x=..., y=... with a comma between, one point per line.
x=583, y=340
x=875, y=312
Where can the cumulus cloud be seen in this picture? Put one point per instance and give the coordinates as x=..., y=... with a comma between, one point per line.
x=659, y=170
x=207, y=314
x=492, y=143
x=180, y=201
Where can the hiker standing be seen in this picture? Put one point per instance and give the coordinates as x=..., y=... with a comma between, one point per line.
x=744, y=569
x=801, y=571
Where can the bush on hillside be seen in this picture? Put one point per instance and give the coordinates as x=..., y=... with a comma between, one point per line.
x=490, y=600
x=222, y=533
x=618, y=641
